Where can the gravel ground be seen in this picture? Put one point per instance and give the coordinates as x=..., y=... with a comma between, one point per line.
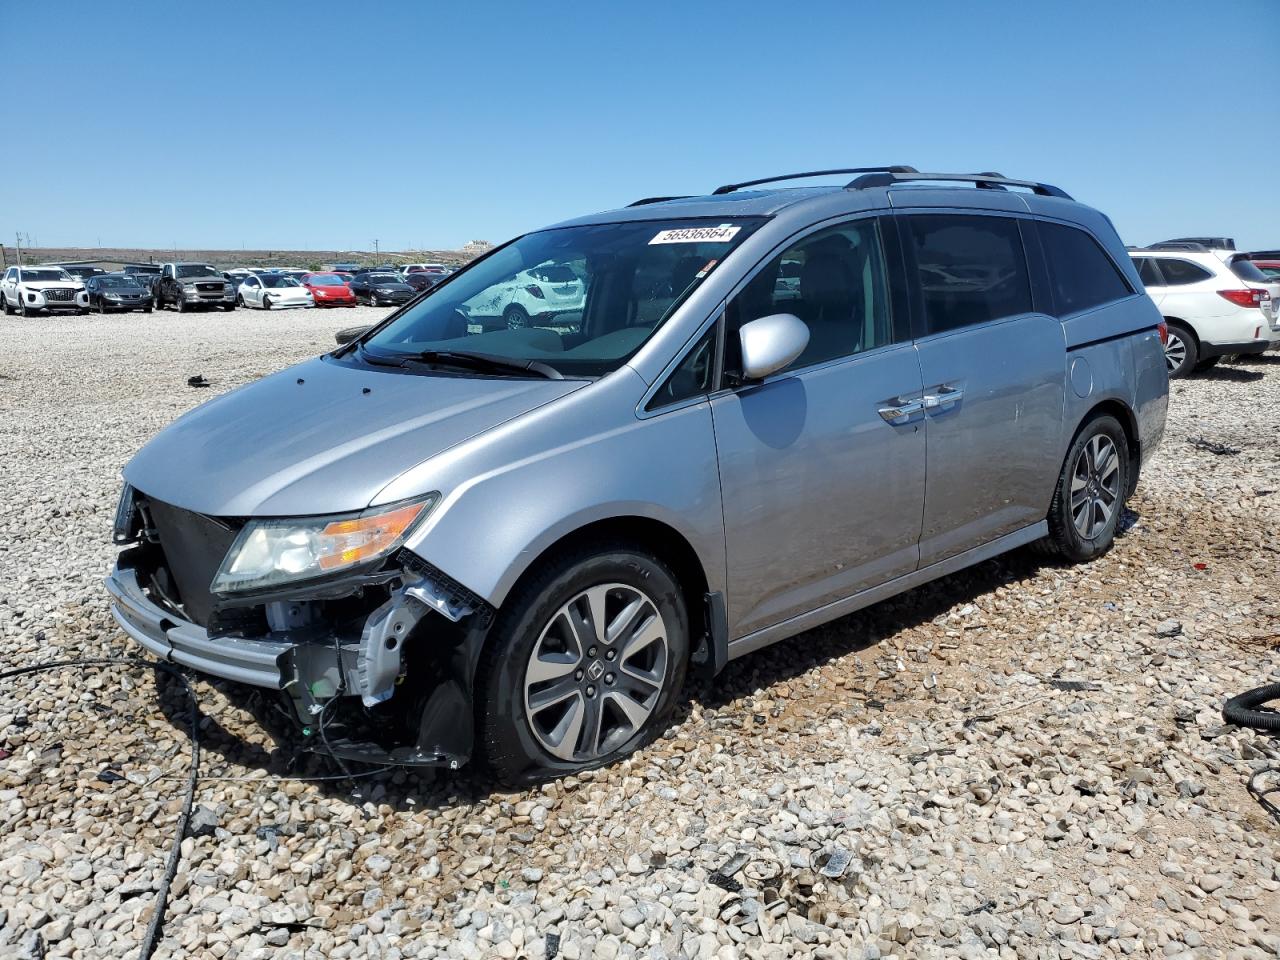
x=988, y=808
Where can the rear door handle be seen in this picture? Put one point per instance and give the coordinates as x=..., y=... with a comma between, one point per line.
x=901, y=411
x=945, y=397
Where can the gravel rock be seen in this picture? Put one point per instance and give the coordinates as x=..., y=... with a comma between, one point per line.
x=988, y=812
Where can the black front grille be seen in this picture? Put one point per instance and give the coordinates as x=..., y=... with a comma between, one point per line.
x=209, y=287
x=62, y=294
x=194, y=546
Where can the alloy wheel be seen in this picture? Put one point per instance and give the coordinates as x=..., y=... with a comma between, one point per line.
x=1175, y=351
x=1095, y=486
x=596, y=672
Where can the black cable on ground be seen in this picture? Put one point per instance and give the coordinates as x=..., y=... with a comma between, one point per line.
x=1242, y=710
x=152, y=935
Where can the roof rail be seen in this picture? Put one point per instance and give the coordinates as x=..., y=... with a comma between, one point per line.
x=731, y=187
x=642, y=202
x=985, y=181
x=1212, y=243
x=1179, y=245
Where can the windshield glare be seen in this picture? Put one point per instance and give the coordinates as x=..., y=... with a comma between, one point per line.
x=44, y=275
x=198, y=271
x=279, y=280
x=382, y=278
x=581, y=299
x=324, y=280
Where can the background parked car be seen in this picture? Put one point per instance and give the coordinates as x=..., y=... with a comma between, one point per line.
x=533, y=296
x=83, y=271
x=1216, y=304
x=117, y=291
x=329, y=290
x=381, y=288
x=267, y=290
x=422, y=280
x=31, y=290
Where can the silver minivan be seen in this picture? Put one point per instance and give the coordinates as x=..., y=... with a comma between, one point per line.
x=716, y=422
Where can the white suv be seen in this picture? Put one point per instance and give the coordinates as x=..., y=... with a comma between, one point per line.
x=30, y=290
x=1215, y=302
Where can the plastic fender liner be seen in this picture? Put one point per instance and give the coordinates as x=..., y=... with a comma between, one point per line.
x=447, y=725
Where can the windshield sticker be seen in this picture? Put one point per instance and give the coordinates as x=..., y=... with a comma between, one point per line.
x=707, y=269
x=721, y=234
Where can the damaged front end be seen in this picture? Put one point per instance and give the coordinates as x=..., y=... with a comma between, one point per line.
x=374, y=657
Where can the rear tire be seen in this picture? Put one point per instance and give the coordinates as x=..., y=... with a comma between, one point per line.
x=620, y=683
x=1181, y=352
x=515, y=317
x=1090, y=496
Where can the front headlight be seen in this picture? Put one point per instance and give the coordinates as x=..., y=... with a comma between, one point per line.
x=112, y=296
x=269, y=553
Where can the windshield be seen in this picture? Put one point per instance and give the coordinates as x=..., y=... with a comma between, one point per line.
x=325, y=280
x=581, y=299
x=115, y=282
x=382, y=278
x=43, y=275
x=279, y=280
x=198, y=270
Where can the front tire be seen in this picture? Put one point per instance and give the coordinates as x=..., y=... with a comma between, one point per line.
x=583, y=666
x=266, y=303
x=8, y=307
x=1181, y=351
x=1090, y=495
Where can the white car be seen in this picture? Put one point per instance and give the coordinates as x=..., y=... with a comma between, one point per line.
x=534, y=296
x=267, y=290
x=433, y=268
x=1216, y=303
x=31, y=290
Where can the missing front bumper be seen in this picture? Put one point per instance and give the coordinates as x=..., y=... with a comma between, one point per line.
x=396, y=690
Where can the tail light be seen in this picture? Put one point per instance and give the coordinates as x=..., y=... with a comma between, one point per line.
x=1245, y=298
x=1162, y=328
x=535, y=291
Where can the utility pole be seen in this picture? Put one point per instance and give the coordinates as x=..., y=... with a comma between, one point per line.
x=375, y=250
x=19, y=236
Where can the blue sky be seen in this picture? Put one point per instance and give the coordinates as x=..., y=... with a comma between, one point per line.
x=318, y=125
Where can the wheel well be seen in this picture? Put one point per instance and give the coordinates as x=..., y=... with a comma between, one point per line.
x=1185, y=326
x=1129, y=424
x=658, y=538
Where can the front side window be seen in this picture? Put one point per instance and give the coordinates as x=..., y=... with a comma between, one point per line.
x=1179, y=273
x=693, y=376
x=1082, y=274
x=833, y=280
x=581, y=300
x=971, y=269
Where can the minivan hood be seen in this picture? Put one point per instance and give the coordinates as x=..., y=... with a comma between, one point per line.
x=311, y=440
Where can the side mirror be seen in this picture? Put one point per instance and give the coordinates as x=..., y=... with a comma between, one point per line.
x=771, y=343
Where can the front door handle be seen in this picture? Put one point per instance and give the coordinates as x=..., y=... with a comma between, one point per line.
x=945, y=397
x=901, y=411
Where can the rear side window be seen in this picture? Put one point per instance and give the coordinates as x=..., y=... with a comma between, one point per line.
x=1178, y=273
x=1148, y=272
x=971, y=269
x=1083, y=276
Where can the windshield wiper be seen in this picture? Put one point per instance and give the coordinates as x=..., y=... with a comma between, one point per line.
x=484, y=362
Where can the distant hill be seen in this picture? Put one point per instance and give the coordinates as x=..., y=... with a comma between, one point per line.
x=225, y=259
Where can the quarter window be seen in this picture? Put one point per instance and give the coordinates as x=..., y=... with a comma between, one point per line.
x=971, y=269
x=694, y=374
x=833, y=280
x=1083, y=276
x=1178, y=273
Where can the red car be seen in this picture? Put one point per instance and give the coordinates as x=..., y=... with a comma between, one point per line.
x=329, y=289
